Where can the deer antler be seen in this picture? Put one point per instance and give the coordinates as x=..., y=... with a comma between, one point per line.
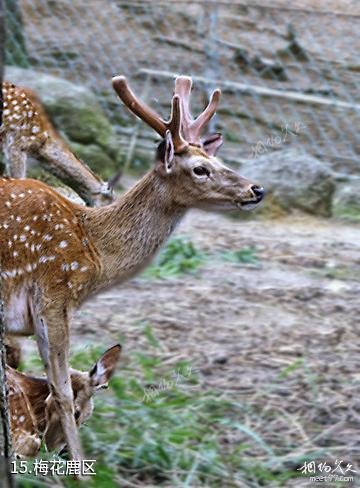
x=184, y=128
x=149, y=116
x=191, y=127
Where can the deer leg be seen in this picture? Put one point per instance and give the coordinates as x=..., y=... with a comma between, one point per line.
x=53, y=341
x=15, y=160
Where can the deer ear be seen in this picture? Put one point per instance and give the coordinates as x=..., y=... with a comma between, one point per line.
x=165, y=155
x=211, y=144
x=104, y=368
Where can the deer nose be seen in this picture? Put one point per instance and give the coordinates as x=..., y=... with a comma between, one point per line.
x=258, y=191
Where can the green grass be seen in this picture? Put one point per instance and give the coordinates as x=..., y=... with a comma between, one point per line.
x=178, y=436
x=158, y=424
x=179, y=256
x=246, y=255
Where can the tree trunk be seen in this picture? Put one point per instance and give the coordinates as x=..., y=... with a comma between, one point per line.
x=5, y=433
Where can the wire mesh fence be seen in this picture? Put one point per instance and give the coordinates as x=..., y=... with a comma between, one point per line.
x=289, y=76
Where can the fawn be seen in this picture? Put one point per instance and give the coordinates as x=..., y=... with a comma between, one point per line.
x=33, y=415
x=56, y=254
x=27, y=131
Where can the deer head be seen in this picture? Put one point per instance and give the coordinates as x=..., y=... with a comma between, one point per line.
x=185, y=159
x=33, y=412
x=55, y=254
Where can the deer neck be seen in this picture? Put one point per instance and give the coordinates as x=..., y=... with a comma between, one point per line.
x=129, y=232
x=67, y=168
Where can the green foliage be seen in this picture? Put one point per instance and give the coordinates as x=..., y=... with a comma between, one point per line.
x=177, y=436
x=95, y=157
x=246, y=255
x=150, y=336
x=180, y=256
x=298, y=363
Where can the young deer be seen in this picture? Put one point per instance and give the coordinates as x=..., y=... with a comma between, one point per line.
x=56, y=254
x=33, y=415
x=27, y=131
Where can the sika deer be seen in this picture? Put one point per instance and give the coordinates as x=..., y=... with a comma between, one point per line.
x=33, y=415
x=56, y=254
x=27, y=131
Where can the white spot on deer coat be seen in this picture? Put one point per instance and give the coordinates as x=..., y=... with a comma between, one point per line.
x=45, y=259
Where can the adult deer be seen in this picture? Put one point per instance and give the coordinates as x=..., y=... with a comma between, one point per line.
x=27, y=131
x=33, y=414
x=56, y=254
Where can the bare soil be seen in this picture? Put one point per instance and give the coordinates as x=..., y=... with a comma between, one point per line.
x=281, y=335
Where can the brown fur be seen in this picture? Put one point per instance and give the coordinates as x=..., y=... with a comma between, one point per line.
x=13, y=352
x=27, y=130
x=56, y=254
x=33, y=414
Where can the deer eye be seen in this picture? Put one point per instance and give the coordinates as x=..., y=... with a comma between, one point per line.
x=201, y=171
x=77, y=414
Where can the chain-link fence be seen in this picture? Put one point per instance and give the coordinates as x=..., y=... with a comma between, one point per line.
x=289, y=76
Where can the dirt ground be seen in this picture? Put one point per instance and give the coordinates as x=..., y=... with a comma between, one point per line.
x=282, y=334
x=303, y=292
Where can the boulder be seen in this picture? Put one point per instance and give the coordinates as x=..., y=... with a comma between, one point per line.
x=95, y=157
x=293, y=180
x=75, y=111
x=346, y=202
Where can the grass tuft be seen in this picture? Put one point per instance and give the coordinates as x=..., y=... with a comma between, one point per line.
x=180, y=256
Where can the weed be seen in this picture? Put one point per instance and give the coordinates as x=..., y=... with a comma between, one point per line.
x=182, y=436
x=180, y=256
x=246, y=255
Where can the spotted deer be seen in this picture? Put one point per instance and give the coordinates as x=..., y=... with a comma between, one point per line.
x=27, y=131
x=33, y=416
x=56, y=254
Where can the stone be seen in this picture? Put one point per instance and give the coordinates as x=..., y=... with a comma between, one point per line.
x=95, y=157
x=346, y=202
x=73, y=109
x=293, y=180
